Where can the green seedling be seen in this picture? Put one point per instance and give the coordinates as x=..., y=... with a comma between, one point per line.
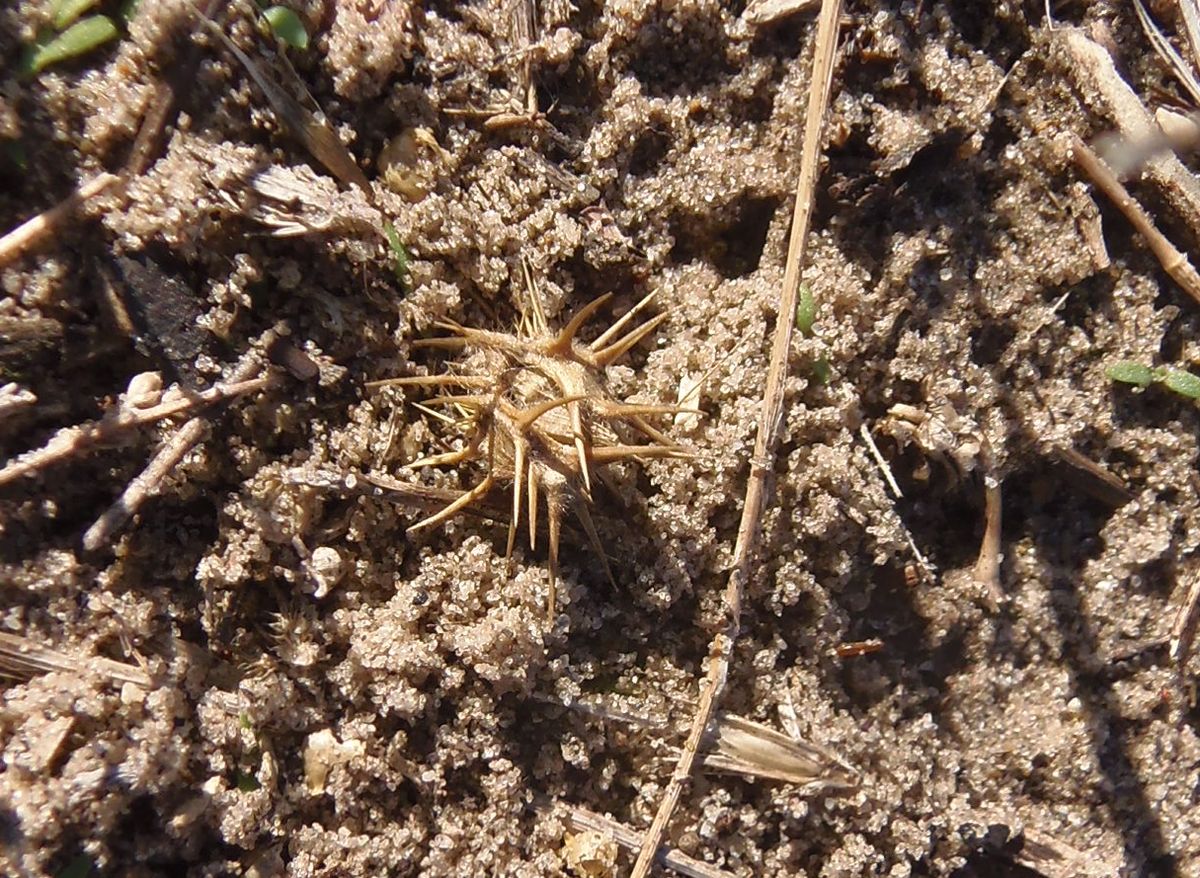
x=400, y=256
x=806, y=318
x=80, y=867
x=287, y=26
x=79, y=39
x=1139, y=374
x=806, y=312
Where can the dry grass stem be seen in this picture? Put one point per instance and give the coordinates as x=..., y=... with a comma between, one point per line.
x=23, y=658
x=1183, y=632
x=581, y=819
x=74, y=441
x=1182, y=70
x=1172, y=260
x=879, y=461
x=34, y=231
x=312, y=131
x=766, y=439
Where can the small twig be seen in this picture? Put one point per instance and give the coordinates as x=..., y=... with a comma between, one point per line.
x=24, y=658
x=173, y=449
x=1183, y=632
x=581, y=819
x=1172, y=260
x=145, y=484
x=720, y=651
x=879, y=461
x=34, y=231
x=72, y=441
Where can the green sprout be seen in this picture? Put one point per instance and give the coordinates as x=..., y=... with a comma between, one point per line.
x=80, y=867
x=1140, y=375
x=806, y=318
x=78, y=39
x=287, y=26
x=400, y=258
x=806, y=312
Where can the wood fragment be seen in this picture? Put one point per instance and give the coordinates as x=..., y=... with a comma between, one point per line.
x=987, y=565
x=1172, y=260
x=581, y=819
x=1183, y=632
x=1092, y=478
x=23, y=658
x=13, y=398
x=721, y=649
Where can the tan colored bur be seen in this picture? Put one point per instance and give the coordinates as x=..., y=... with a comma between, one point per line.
x=538, y=411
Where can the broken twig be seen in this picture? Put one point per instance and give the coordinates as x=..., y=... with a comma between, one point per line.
x=1172, y=260
x=72, y=441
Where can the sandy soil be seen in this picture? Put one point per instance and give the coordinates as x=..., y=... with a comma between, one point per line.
x=331, y=696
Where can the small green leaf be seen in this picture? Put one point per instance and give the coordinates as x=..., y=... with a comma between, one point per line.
x=65, y=12
x=806, y=311
x=399, y=253
x=1183, y=383
x=822, y=371
x=80, y=867
x=14, y=153
x=129, y=9
x=78, y=39
x=247, y=783
x=1131, y=372
x=287, y=26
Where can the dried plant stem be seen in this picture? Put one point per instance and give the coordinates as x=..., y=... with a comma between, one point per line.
x=145, y=484
x=73, y=441
x=1172, y=260
x=581, y=819
x=1183, y=632
x=173, y=449
x=23, y=657
x=767, y=437
x=35, y=230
